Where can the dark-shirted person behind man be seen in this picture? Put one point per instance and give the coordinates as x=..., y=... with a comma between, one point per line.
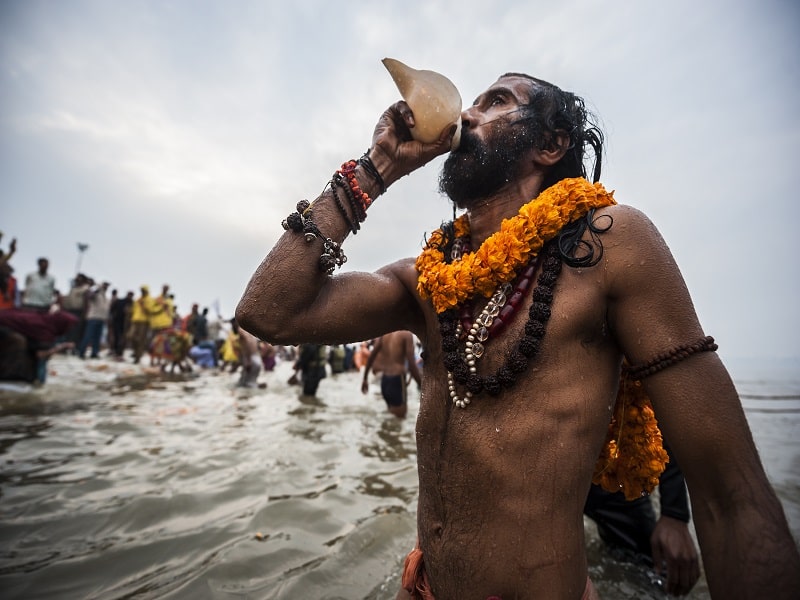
x=310, y=364
x=632, y=533
x=526, y=305
x=396, y=350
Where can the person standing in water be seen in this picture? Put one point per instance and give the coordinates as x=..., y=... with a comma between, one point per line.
x=310, y=364
x=396, y=350
x=526, y=306
x=250, y=358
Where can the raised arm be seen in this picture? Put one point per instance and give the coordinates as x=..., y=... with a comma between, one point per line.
x=290, y=299
x=12, y=248
x=748, y=550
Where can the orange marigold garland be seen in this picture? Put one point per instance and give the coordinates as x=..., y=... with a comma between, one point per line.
x=633, y=456
x=503, y=253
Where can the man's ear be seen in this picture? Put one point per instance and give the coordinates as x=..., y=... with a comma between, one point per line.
x=555, y=150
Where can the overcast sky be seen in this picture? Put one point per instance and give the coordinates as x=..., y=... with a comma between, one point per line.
x=173, y=136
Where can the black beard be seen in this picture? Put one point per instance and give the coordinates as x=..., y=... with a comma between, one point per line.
x=477, y=169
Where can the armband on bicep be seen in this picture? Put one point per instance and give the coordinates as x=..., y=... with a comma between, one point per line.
x=671, y=357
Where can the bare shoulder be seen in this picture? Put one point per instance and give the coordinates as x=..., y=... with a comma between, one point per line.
x=632, y=243
x=627, y=223
x=645, y=288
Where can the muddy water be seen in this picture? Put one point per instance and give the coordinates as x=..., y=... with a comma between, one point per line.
x=116, y=482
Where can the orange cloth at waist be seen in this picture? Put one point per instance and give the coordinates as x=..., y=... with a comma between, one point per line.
x=415, y=580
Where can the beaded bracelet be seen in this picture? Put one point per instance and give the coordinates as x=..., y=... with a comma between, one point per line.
x=301, y=222
x=359, y=212
x=354, y=225
x=345, y=177
x=348, y=169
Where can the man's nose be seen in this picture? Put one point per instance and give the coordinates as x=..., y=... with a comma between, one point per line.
x=469, y=117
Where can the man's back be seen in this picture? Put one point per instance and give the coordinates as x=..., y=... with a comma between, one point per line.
x=394, y=351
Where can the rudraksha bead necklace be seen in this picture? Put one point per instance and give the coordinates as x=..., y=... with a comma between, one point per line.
x=498, y=312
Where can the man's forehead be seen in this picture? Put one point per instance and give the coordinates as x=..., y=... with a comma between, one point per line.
x=519, y=85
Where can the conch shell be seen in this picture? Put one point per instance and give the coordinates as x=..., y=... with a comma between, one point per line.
x=432, y=97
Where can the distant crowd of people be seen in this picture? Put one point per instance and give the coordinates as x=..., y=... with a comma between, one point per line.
x=38, y=320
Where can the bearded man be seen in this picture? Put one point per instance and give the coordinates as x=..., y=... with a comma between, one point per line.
x=526, y=310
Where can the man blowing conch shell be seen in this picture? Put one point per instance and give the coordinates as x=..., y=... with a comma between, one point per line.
x=526, y=306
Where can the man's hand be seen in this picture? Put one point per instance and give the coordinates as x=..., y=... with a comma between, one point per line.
x=364, y=386
x=394, y=152
x=674, y=551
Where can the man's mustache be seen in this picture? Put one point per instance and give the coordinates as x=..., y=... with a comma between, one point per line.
x=469, y=141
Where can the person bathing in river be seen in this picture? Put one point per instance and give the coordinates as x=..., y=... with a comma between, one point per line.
x=526, y=306
x=250, y=358
x=396, y=350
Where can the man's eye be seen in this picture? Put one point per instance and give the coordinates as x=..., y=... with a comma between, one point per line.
x=497, y=101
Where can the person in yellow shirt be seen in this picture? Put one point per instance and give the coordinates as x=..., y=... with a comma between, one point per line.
x=161, y=317
x=230, y=351
x=139, y=331
x=162, y=312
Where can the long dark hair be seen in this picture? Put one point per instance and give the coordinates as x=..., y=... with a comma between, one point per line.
x=553, y=111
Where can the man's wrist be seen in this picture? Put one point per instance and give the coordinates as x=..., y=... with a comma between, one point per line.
x=367, y=166
x=383, y=165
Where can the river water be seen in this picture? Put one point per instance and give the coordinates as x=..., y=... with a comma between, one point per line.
x=118, y=483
